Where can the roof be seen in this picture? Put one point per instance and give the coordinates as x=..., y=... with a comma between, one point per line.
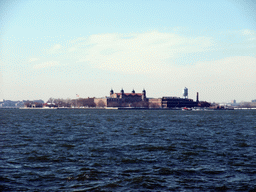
x=130, y=94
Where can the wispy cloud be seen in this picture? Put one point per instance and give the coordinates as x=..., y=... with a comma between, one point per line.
x=47, y=64
x=33, y=60
x=248, y=32
x=138, y=52
x=55, y=49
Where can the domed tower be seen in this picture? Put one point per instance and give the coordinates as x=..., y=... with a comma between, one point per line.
x=111, y=92
x=143, y=95
x=122, y=93
x=133, y=91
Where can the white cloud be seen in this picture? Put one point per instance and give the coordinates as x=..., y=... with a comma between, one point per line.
x=137, y=52
x=55, y=49
x=47, y=64
x=32, y=60
x=248, y=32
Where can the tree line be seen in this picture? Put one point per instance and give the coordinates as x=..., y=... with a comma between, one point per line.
x=81, y=102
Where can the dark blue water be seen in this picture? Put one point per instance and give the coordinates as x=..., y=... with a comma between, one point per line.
x=114, y=150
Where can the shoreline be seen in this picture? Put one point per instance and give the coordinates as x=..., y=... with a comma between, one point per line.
x=134, y=108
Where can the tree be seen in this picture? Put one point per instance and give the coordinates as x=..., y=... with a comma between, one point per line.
x=50, y=100
x=154, y=105
x=101, y=103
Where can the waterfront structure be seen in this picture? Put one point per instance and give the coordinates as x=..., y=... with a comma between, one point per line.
x=123, y=99
x=173, y=102
x=140, y=100
x=176, y=102
x=155, y=102
x=33, y=104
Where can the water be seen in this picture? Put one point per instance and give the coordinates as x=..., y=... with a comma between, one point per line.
x=114, y=150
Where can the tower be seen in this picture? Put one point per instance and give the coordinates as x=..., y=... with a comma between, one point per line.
x=122, y=93
x=111, y=92
x=143, y=95
x=185, y=94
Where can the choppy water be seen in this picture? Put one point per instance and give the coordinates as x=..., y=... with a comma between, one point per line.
x=110, y=150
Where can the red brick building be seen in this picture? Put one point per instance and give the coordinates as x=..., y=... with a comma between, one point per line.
x=123, y=99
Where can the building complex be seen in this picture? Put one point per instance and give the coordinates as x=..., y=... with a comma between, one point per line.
x=134, y=99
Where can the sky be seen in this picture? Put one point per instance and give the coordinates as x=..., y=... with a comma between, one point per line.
x=62, y=48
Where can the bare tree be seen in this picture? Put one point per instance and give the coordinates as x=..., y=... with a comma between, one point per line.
x=101, y=104
x=154, y=105
x=50, y=100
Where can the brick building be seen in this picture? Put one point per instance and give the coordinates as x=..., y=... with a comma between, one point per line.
x=123, y=99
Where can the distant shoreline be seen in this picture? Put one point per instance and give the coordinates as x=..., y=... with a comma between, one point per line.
x=127, y=108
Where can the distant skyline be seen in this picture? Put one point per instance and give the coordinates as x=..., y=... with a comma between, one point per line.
x=62, y=48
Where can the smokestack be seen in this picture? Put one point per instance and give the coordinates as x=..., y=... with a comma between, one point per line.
x=197, y=97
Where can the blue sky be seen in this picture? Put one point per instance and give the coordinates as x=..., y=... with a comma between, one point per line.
x=63, y=48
